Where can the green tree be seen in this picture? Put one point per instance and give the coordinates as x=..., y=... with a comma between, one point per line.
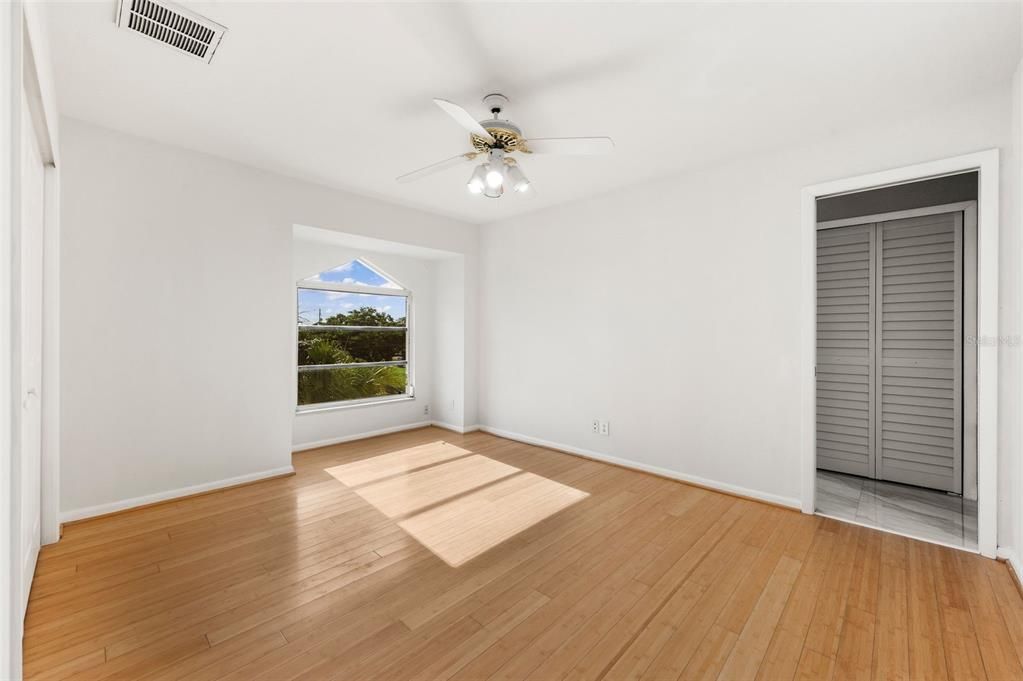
x=331, y=346
x=364, y=316
x=335, y=385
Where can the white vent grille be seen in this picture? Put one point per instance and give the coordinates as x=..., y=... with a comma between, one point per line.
x=171, y=25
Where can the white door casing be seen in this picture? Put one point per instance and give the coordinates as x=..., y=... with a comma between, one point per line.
x=30, y=339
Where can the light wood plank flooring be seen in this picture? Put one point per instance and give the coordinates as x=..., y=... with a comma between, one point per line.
x=429, y=555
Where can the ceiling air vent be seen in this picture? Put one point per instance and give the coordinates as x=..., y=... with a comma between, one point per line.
x=171, y=25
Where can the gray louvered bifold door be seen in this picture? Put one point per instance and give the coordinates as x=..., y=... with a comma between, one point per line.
x=919, y=361
x=845, y=314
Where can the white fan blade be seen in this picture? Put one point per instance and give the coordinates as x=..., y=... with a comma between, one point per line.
x=464, y=119
x=585, y=146
x=437, y=167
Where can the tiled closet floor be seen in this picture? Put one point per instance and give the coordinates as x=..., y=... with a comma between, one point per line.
x=921, y=513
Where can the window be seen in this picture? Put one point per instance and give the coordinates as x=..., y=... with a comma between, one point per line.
x=354, y=337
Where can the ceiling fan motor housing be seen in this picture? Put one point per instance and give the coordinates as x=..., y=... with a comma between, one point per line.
x=507, y=134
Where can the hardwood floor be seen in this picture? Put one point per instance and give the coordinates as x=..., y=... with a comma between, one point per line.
x=430, y=555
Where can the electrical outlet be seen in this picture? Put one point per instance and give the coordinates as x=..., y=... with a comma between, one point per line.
x=596, y=426
x=605, y=428
x=426, y=410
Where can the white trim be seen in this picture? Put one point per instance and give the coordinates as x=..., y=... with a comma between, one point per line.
x=351, y=404
x=986, y=162
x=35, y=27
x=10, y=532
x=358, y=436
x=49, y=506
x=102, y=509
x=125, y=504
x=596, y=456
x=457, y=429
x=729, y=488
x=1012, y=559
x=361, y=289
x=808, y=354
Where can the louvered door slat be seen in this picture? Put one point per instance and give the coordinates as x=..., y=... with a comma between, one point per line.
x=918, y=439
x=845, y=313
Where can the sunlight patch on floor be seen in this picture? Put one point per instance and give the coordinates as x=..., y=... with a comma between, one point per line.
x=405, y=494
x=471, y=524
x=455, y=503
x=396, y=463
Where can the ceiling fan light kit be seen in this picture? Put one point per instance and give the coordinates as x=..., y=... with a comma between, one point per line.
x=497, y=138
x=495, y=169
x=478, y=182
x=519, y=181
x=494, y=192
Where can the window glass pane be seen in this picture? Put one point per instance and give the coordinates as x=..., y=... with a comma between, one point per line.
x=381, y=336
x=350, y=309
x=352, y=383
x=336, y=346
x=354, y=272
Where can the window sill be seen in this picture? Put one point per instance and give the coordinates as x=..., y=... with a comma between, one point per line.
x=351, y=404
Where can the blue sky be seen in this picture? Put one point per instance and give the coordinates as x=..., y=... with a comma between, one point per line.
x=354, y=272
x=312, y=304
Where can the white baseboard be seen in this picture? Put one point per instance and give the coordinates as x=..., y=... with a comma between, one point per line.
x=789, y=502
x=1013, y=560
x=358, y=436
x=103, y=509
x=113, y=507
x=457, y=429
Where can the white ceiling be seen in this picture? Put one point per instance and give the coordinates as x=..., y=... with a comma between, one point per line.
x=339, y=93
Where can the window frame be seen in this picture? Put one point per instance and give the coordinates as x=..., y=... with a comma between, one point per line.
x=409, y=362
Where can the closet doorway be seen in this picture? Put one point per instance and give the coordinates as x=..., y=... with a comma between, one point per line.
x=896, y=370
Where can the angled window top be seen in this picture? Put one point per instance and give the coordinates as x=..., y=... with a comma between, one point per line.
x=356, y=272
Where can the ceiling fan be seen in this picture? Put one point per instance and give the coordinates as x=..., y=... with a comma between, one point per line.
x=496, y=139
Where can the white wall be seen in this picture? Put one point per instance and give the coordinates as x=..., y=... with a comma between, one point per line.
x=10, y=172
x=177, y=312
x=1012, y=486
x=672, y=309
x=449, y=389
x=416, y=274
x=454, y=392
